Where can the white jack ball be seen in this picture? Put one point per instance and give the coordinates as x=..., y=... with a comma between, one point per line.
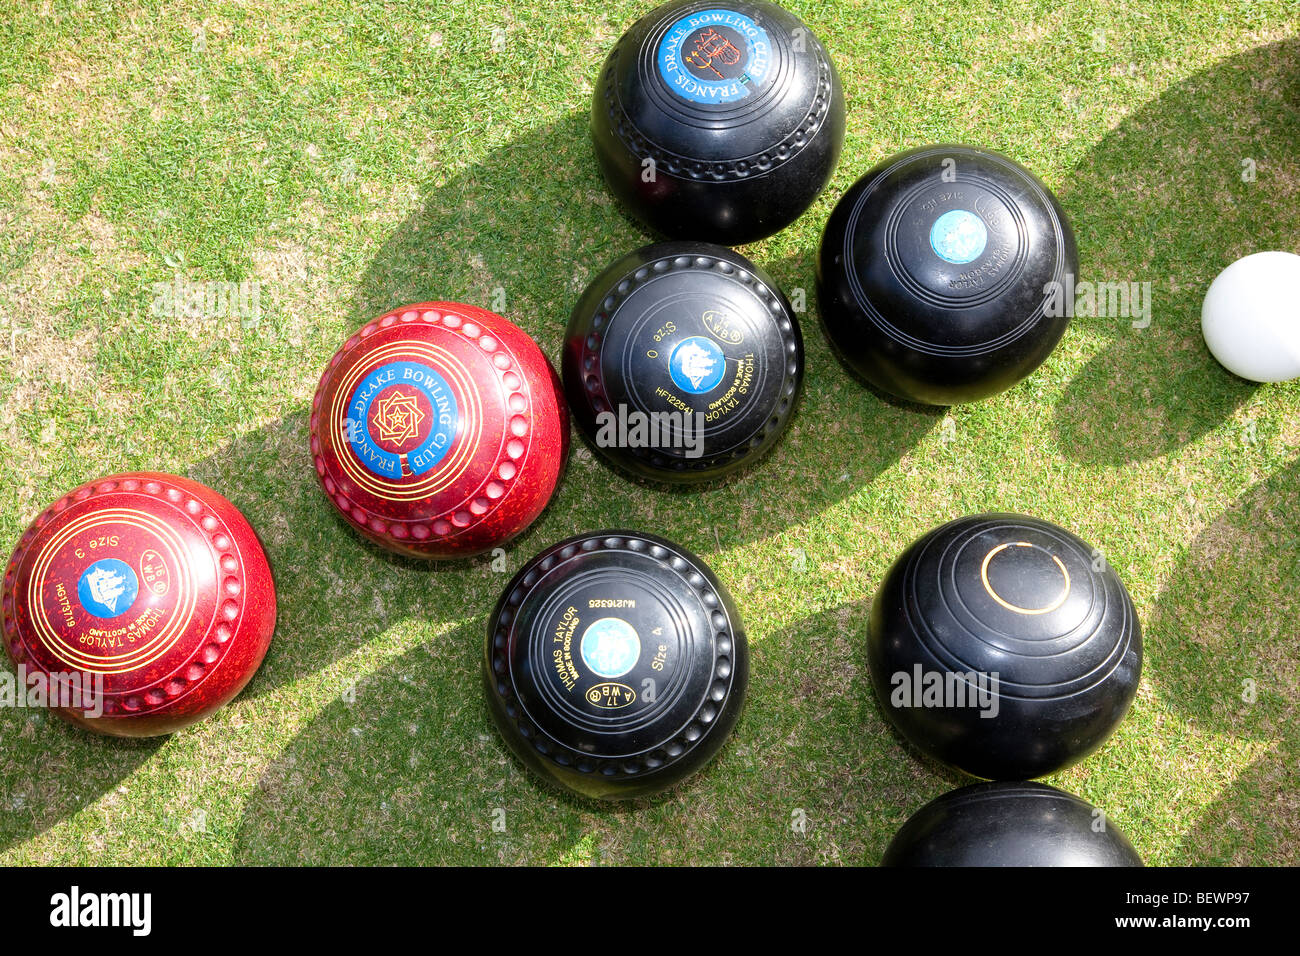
x=1251, y=317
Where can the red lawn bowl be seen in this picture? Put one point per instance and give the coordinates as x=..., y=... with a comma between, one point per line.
x=140, y=603
x=439, y=430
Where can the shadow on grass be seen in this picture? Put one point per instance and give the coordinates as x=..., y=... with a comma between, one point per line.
x=1225, y=626
x=820, y=742
x=522, y=230
x=60, y=769
x=411, y=773
x=1161, y=199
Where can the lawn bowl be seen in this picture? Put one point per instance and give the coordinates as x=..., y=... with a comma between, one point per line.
x=148, y=593
x=615, y=665
x=439, y=430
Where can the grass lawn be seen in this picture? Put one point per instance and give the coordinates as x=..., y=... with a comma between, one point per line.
x=355, y=156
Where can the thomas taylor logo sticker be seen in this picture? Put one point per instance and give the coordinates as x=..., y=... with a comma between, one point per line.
x=402, y=414
x=108, y=587
x=959, y=237
x=697, y=365
x=610, y=647
x=714, y=56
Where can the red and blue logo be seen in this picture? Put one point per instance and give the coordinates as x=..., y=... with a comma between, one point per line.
x=402, y=420
x=715, y=57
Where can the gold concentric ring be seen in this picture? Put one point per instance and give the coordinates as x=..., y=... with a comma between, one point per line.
x=1060, y=598
x=177, y=620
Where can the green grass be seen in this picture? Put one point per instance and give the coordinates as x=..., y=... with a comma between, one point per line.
x=355, y=156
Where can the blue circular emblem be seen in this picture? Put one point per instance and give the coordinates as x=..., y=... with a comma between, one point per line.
x=697, y=365
x=958, y=237
x=402, y=410
x=714, y=56
x=610, y=647
x=108, y=588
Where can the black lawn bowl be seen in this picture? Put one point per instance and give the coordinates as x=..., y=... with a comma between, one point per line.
x=683, y=362
x=1009, y=824
x=719, y=121
x=616, y=664
x=1004, y=646
x=946, y=275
